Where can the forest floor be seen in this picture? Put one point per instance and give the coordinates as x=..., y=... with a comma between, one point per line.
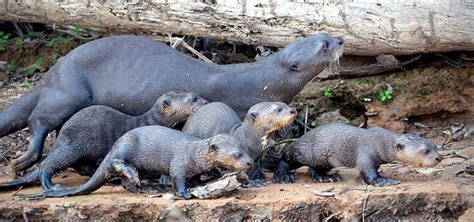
x=444, y=192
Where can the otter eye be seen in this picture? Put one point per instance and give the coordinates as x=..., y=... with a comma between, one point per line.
x=325, y=46
x=427, y=152
x=238, y=155
x=279, y=110
x=195, y=99
x=294, y=67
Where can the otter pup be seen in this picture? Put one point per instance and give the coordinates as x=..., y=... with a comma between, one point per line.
x=156, y=150
x=261, y=120
x=335, y=145
x=88, y=136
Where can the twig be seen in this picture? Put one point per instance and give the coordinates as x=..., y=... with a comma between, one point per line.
x=304, y=125
x=369, y=70
x=75, y=35
x=25, y=218
x=281, y=142
x=171, y=38
x=16, y=192
x=364, y=207
x=306, y=117
x=180, y=41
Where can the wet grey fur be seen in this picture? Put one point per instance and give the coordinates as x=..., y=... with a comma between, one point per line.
x=87, y=137
x=337, y=145
x=253, y=132
x=129, y=73
x=156, y=150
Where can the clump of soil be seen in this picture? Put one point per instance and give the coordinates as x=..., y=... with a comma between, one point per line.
x=437, y=97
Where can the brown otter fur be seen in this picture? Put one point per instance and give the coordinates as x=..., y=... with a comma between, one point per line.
x=88, y=136
x=156, y=150
x=260, y=122
x=336, y=145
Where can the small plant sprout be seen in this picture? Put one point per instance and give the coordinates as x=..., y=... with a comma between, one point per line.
x=327, y=92
x=386, y=95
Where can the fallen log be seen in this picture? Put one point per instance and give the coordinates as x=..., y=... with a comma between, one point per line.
x=369, y=27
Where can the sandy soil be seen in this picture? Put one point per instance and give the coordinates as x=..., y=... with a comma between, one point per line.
x=428, y=195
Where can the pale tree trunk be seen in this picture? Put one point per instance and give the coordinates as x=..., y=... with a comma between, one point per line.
x=369, y=27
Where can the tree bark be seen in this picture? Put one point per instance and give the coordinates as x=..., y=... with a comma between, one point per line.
x=369, y=27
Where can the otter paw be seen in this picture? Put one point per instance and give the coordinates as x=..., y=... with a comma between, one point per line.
x=165, y=180
x=255, y=183
x=185, y=195
x=153, y=188
x=326, y=178
x=381, y=182
x=57, y=187
x=284, y=178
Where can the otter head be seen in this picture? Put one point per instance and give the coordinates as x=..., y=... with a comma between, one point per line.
x=307, y=57
x=415, y=150
x=176, y=107
x=227, y=152
x=268, y=117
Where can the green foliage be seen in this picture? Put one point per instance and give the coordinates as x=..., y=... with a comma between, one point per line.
x=32, y=34
x=12, y=66
x=327, y=92
x=19, y=42
x=313, y=123
x=27, y=84
x=3, y=41
x=36, y=67
x=385, y=95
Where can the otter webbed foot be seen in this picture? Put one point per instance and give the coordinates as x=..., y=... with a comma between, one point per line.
x=282, y=173
x=152, y=187
x=322, y=176
x=373, y=177
x=382, y=182
x=185, y=195
x=255, y=183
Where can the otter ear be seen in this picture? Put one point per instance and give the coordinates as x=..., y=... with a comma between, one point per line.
x=294, y=67
x=399, y=146
x=213, y=147
x=252, y=116
x=166, y=103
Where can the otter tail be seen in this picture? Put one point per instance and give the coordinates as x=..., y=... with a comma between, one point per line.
x=27, y=180
x=15, y=117
x=100, y=177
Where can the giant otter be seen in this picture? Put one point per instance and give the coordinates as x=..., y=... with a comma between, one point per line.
x=260, y=122
x=156, y=150
x=335, y=145
x=88, y=136
x=129, y=73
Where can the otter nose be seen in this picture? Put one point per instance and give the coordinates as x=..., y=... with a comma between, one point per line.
x=340, y=40
x=293, y=111
x=439, y=158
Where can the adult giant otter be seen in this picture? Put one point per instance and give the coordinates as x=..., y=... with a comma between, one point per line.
x=129, y=73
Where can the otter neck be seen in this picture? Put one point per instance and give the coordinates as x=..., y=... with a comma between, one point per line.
x=152, y=118
x=386, y=148
x=201, y=157
x=251, y=138
x=271, y=77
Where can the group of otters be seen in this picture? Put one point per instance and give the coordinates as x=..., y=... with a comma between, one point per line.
x=114, y=101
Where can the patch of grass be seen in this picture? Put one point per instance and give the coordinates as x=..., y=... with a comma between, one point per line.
x=27, y=84
x=3, y=41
